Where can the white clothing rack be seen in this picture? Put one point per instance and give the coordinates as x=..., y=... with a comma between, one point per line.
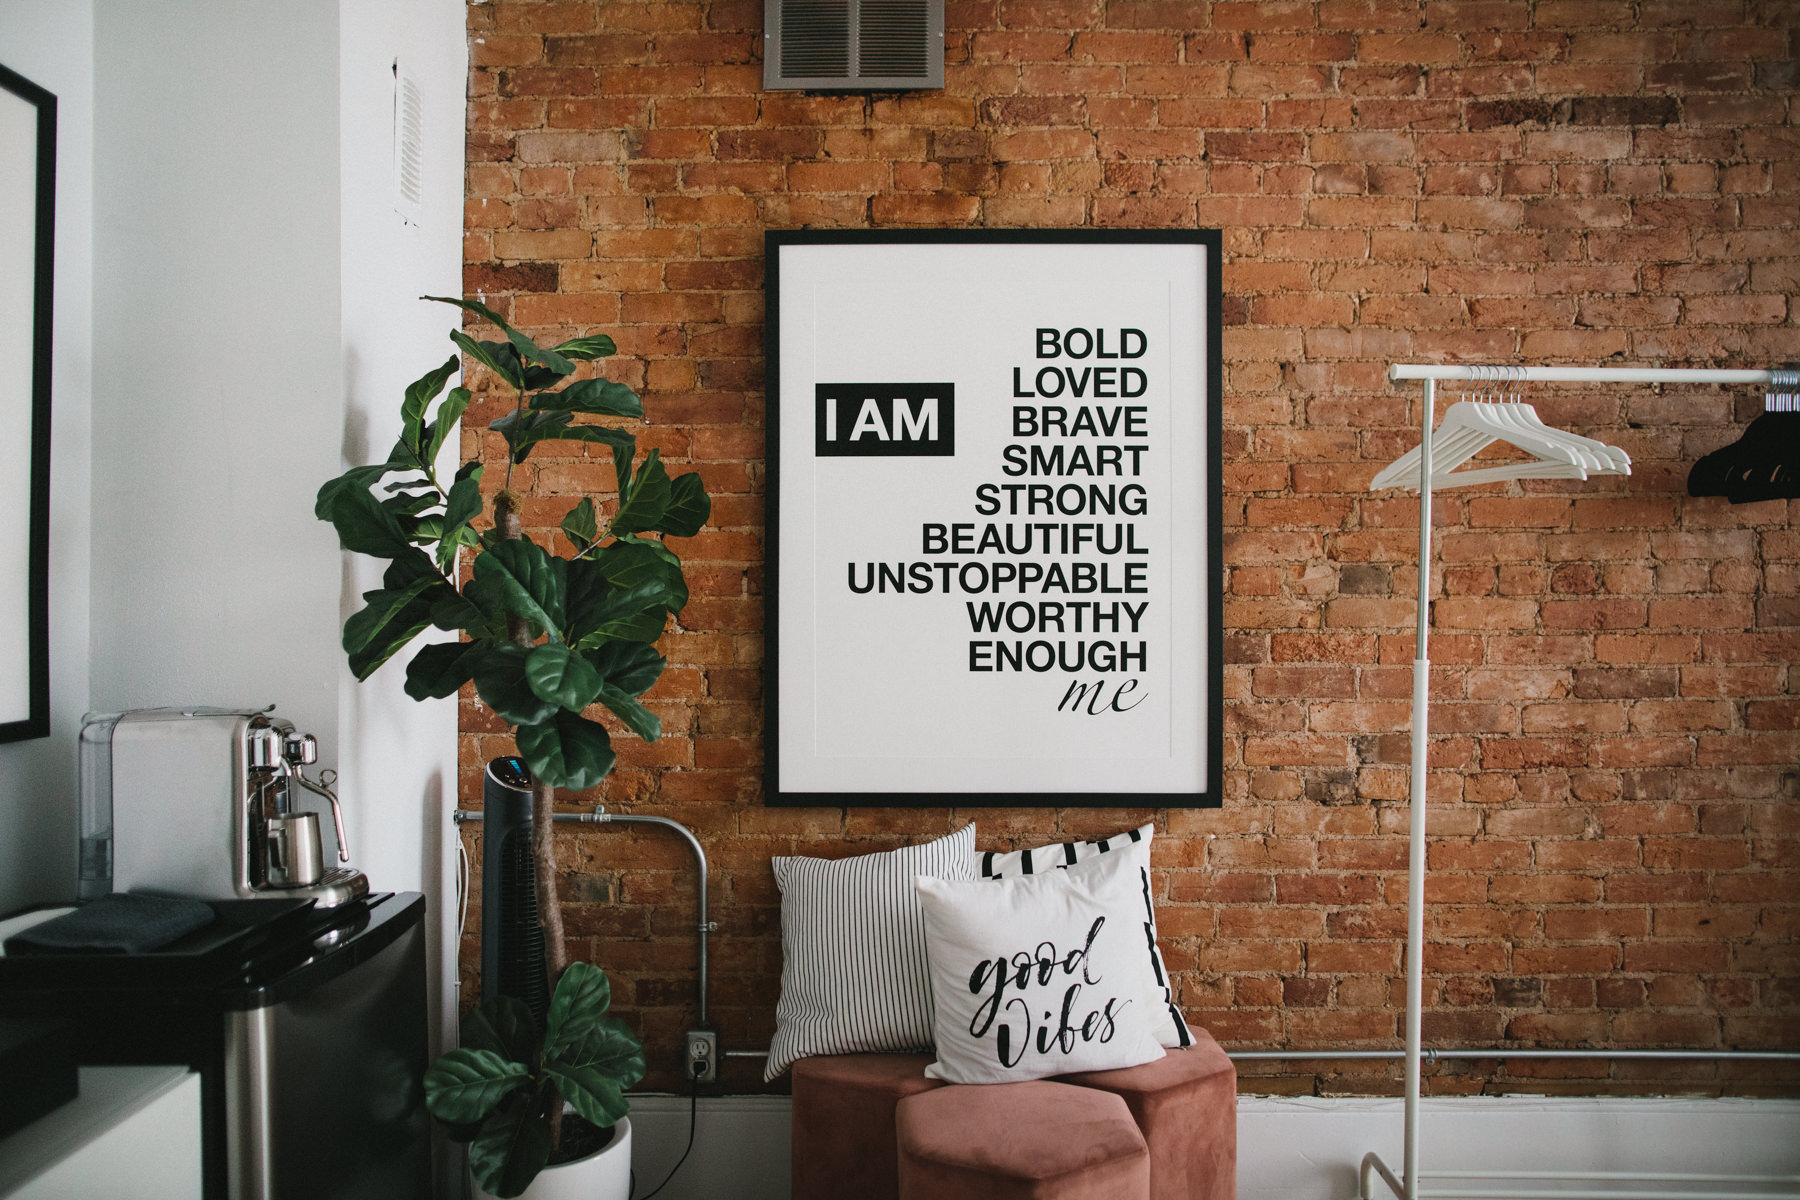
x=1405, y=1186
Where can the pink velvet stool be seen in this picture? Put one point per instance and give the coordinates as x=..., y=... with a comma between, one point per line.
x=1185, y=1103
x=1020, y=1141
x=843, y=1134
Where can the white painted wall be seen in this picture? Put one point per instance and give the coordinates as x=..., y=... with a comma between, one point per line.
x=258, y=327
x=218, y=381
x=52, y=44
x=236, y=321
x=1306, y=1149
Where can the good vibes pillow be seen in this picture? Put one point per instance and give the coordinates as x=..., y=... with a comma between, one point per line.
x=1037, y=976
x=1134, y=844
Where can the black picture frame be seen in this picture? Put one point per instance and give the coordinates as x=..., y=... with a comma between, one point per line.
x=811, y=278
x=25, y=635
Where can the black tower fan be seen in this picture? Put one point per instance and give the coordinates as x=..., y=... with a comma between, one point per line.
x=512, y=941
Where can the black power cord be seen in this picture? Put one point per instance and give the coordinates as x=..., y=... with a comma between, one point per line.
x=693, y=1112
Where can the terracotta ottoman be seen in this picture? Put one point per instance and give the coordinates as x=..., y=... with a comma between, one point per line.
x=1185, y=1103
x=1020, y=1141
x=843, y=1133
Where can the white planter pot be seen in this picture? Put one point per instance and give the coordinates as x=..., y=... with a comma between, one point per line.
x=603, y=1175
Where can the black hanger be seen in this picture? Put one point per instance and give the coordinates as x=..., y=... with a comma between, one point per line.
x=1763, y=464
x=1767, y=468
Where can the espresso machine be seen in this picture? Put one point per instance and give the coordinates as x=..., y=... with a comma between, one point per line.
x=301, y=1005
x=209, y=803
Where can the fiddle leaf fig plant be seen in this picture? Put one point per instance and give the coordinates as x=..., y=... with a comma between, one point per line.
x=497, y=1088
x=545, y=637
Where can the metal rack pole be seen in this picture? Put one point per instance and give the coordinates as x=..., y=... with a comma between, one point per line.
x=1430, y=371
x=1407, y=1185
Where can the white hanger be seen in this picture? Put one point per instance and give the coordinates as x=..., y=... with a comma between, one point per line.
x=1607, y=460
x=1470, y=426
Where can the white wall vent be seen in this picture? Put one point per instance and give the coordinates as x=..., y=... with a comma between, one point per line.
x=409, y=146
x=855, y=45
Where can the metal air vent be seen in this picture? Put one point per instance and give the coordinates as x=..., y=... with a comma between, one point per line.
x=858, y=45
x=409, y=147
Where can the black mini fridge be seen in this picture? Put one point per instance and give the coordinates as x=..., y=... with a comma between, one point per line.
x=307, y=1027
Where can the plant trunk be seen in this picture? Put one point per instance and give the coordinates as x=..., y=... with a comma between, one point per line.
x=543, y=864
x=543, y=825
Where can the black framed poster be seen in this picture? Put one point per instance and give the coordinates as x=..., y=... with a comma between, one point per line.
x=27, y=234
x=994, y=518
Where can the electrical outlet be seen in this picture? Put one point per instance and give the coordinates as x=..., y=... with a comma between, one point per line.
x=702, y=1055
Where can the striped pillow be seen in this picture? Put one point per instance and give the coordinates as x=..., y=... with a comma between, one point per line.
x=854, y=977
x=1165, y=1019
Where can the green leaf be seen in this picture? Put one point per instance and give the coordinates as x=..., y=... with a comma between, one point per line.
x=504, y=1025
x=579, y=524
x=462, y=506
x=567, y=751
x=643, y=505
x=419, y=395
x=560, y=676
x=584, y=349
x=362, y=524
x=355, y=479
x=389, y=620
x=531, y=352
x=448, y=414
x=618, y=439
x=528, y=350
x=475, y=306
x=512, y=1147
x=637, y=718
x=601, y=396
x=455, y=612
x=636, y=614
x=537, y=377
x=409, y=569
x=631, y=667
x=439, y=669
x=524, y=430
x=591, y=1093
x=526, y=581
x=689, y=506
x=630, y=561
x=499, y=357
x=409, y=481
x=622, y=455
x=582, y=996
x=500, y=682
x=466, y=1084
x=611, y=1046
x=412, y=503
x=600, y=606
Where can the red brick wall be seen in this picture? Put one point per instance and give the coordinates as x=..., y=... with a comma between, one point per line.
x=1567, y=181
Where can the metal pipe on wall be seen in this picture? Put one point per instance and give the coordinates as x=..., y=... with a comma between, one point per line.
x=1432, y=1056
x=600, y=816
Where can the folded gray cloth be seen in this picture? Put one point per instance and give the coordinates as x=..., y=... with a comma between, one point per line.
x=122, y=923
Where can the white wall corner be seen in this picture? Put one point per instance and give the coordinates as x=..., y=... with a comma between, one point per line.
x=397, y=756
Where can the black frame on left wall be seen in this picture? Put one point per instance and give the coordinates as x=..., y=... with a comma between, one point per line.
x=25, y=615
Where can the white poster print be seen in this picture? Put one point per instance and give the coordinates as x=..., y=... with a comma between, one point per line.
x=997, y=452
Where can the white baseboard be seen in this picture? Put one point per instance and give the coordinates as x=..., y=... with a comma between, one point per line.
x=1309, y=1149
x=1301, y=1149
